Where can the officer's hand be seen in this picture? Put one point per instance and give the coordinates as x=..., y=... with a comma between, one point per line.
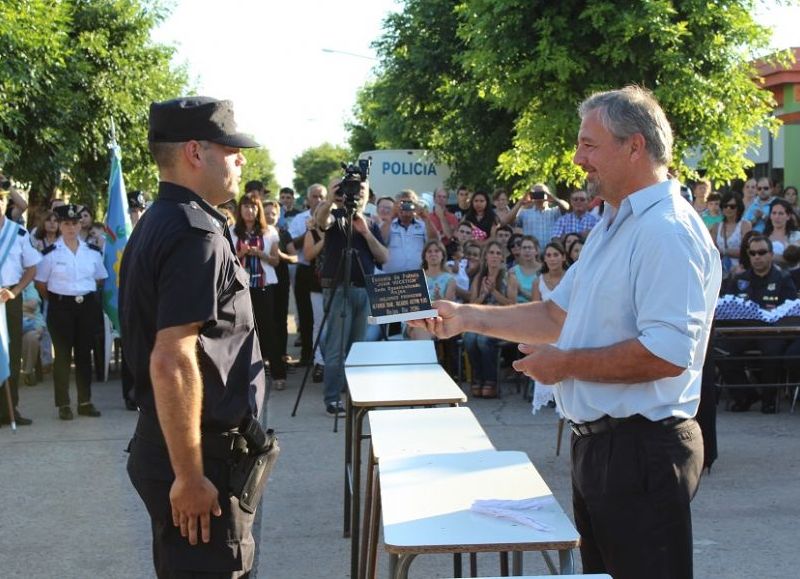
x=447, y=324
x=544, y=363
x=6, y=295
x=193, y=500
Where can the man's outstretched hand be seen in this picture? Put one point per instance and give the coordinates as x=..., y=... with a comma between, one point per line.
x=449, y=322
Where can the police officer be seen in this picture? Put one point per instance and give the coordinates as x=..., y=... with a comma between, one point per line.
x=190, y=344
x=68, y=278
x=769, y=287
x=18, y=259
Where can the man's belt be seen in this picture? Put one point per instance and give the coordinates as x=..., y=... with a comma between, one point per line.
x=54, y=297
x=608, y=423
x=327, y=283
x=218, y=445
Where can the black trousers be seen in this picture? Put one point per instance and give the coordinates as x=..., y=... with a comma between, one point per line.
x=14, y=321
x=72, y=328
x=229, y=554
x=281, y=314
x=263, y=300
x=631, y=489
x=303, y=280
x=771, y=371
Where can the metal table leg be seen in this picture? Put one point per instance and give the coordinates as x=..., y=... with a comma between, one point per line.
x=348, y=460
x=373, y=531
x=366, y=525
x=516, y=563
x=566, y=562
x=355, y=479
x=403, y=565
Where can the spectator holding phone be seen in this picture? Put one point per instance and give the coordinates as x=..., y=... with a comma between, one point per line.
x=407, y=233
x=533, y=217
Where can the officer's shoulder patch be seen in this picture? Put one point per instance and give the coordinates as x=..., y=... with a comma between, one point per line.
x=199, y=219
x=95, y=247
x=48, y=249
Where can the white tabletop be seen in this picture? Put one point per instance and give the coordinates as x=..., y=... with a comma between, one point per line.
x=415, y=431
x=426, y=500
x=401, y=385
x=392, y=352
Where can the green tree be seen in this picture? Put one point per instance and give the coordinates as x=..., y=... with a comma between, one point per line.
x=424, y=98
x=105, y=67
x=260, y=167
x=533, y=61
x=318, y=165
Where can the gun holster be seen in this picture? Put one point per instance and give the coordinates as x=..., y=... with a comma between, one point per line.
x=252, y=464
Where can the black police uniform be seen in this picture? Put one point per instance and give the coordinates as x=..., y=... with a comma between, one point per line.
x=768, y=292
x=179, y=268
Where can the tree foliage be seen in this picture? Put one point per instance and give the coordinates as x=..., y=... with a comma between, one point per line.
x=318, y=165
x=494, y=84
x=260, y=167
x=68, y=68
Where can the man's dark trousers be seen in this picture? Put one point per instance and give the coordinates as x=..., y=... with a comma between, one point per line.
x=302, y=296
x=631, y=489
x=14, y=321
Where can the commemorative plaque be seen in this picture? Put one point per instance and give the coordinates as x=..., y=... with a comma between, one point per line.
x=398, y=297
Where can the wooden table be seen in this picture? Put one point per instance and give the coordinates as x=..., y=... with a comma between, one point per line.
x=426, y=500
x=371, y=387
x=392, y=353
x=412, y=432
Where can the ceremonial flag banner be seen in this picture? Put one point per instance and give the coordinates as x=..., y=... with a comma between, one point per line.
x=118, y=228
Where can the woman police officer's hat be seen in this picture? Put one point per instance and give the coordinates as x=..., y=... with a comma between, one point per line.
x=69, y=212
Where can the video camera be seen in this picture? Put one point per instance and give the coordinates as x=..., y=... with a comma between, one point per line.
x=350, y=187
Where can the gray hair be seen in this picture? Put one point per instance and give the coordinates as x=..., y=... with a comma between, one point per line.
x=632, y=110
x=317, y=187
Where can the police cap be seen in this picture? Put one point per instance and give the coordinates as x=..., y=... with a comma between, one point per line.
x=69, y=212
x=136, y=200
x=196, y=119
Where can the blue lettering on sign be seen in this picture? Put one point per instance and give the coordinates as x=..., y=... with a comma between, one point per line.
x=398, y=168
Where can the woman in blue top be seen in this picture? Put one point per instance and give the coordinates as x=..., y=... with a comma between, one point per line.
x=522, y=277
x=441, y=283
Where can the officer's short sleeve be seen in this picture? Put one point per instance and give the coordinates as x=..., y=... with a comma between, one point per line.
x=100, y=271
x=43, y=270
x=30, y=255
x=186, y=283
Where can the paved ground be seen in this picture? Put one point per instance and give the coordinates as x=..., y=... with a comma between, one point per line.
x=70, y=512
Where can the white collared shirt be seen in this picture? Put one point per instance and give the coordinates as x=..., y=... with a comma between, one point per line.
x=71, y=274
x=21, y=255
x=649, y=271
x=297, y=228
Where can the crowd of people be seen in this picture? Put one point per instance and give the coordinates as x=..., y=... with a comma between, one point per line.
x=479, y=249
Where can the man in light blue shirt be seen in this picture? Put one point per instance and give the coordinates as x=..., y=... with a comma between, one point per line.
x=758, y=211
x=631, y=323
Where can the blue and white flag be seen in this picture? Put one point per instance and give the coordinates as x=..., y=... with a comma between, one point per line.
x=118, y=229
x=8, y=233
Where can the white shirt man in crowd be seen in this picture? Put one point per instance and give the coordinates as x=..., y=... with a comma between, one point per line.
x=407, y=233
x=18, y=259
x=630, y=344
x=304, y=276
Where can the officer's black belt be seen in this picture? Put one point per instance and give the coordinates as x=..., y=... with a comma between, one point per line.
x=608, y=423
x=54, y=297
x=219, y=445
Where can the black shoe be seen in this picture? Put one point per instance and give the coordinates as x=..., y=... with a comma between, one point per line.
x=318, y=375
x=130, y=405
x=18, y=418
x=88, y=409
x=65, y=413
x=335, y=409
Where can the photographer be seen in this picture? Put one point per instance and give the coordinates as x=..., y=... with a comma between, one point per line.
x=331, y=217
x=407, y=233
x=533, y=217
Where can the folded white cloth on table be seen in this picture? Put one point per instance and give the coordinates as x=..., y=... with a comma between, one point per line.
x=518, y=511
